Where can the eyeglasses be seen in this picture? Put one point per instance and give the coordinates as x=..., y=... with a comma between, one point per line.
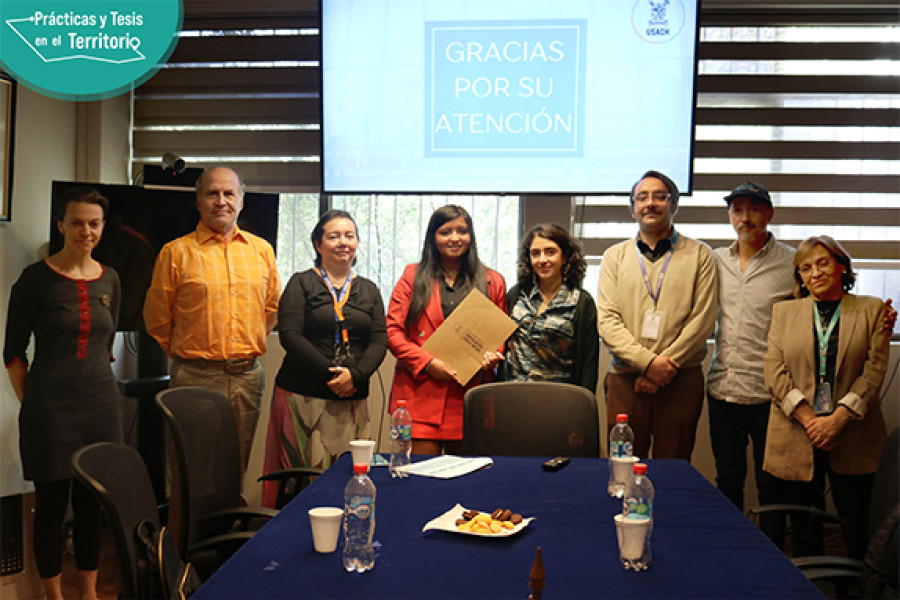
x=657, y=196
x=825, y=265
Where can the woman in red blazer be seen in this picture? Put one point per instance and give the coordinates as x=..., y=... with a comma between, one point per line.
x=426, y=295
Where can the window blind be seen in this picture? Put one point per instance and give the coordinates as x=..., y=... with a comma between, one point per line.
x=241, y=88
x=801, y=96
x=806, y=103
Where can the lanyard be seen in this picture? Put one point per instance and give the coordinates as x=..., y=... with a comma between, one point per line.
x=662, y=273
x=824, y=337
x=340, y=299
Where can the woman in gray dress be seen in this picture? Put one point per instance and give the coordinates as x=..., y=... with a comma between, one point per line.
x=70, y=302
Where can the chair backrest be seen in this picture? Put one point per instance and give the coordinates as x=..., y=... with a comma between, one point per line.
x=204, y=436
x=886, y=486
x=117, y=476
x=531, y=418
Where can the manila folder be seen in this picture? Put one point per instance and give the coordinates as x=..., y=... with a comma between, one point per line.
x=475, y=326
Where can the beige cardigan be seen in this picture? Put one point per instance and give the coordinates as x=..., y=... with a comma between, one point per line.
x=688, y=301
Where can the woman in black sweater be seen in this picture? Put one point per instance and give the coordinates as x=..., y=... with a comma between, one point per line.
x=331, y=324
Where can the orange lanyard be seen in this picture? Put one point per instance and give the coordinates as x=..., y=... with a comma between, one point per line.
x=340, y=299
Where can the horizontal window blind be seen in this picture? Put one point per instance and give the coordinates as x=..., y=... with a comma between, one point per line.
x=810, y=111
x=803, y=97
x=241, y=88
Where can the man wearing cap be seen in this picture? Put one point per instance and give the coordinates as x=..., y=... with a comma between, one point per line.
x=213, y=301
x=754, y=273
x=656, y=309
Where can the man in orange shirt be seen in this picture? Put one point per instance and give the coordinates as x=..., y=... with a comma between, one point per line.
x=214, y=300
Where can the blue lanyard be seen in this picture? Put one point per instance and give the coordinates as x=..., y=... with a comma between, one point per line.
x=340, y=298
x=662, y=273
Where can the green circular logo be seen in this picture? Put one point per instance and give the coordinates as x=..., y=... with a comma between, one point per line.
x=88, y=49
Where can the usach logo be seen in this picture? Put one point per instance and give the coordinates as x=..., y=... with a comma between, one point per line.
x=658, y=21
x=86, y=50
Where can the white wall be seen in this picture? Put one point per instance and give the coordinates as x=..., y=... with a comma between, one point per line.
x=54, y=140
x=44, y=149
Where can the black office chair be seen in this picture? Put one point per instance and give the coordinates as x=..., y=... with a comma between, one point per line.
x=843, y=577
x=118, y=478
x=531, y=418
x=212, y=524
x=881, y=565
x=290, y=482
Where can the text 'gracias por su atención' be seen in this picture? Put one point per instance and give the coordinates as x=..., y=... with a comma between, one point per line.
x=527, y=86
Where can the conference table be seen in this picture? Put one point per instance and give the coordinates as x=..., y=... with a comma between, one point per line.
x=703, y=546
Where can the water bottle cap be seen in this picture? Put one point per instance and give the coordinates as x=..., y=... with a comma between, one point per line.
x=360, y=468
x=621, y=418
x=401, y=402
x=640, y=469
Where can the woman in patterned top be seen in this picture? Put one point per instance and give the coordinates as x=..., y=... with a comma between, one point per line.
x=70, y=302
x=557, y=337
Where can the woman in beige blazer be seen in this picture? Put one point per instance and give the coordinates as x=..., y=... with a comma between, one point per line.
x=825, y=364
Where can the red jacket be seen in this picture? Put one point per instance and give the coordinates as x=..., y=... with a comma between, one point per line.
x=435, y=405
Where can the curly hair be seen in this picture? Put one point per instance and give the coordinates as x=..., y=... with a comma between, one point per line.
x=574, y=265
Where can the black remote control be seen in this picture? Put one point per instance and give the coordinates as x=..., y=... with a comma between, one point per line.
x=555, y=464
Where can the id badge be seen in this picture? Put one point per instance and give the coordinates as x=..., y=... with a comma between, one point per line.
x=822, y=405
x=342, y=356
x=652, y=324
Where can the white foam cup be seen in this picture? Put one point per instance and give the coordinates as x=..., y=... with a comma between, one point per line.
x=325, y=522
x=632, y=536
x=362, y=451
x=621, y=467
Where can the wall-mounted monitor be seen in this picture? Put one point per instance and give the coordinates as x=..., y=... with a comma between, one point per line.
x=139, y=223
x=506, y=96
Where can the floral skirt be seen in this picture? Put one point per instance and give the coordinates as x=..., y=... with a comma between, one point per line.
x=305, y=431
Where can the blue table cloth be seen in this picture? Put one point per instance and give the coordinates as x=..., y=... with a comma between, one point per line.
x=703, y=547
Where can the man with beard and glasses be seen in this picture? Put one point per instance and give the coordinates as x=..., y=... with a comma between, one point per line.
x=657, y=307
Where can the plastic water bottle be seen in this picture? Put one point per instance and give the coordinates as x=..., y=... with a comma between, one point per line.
x=621, y=437
x=359, y=521
x=401, y=438
x=639, y=495
x=637, y=508
x=621, y=444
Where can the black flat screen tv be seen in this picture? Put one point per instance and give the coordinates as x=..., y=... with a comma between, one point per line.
x=141, y=220
x=506, y=96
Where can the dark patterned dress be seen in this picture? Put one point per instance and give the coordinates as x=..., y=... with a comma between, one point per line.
x=71, y=398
